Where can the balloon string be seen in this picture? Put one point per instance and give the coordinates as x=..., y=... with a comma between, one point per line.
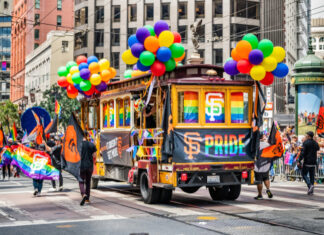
x=147, y=84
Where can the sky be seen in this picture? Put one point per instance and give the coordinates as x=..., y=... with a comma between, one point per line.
x=319, y=12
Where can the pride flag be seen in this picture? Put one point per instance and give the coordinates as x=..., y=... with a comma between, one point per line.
x=92, y=134
x=14, y=132
x=190, y=107
x=57, y=109
x=121, y=113
x=237, y=107
x=6, y=156
x=105, y=115
x=127, y=113
x=214, y=107
x=111, y=114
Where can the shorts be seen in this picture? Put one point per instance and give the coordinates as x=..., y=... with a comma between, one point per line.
x=261, y=176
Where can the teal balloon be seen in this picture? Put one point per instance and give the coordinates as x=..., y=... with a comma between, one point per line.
x=252, y=39
x=170, y=65
x=76, y=79
x=151, y=29
x=230, y=58
x=147, y=58
x=70, y=64
x=180, y=64
x=85, y=85
x=128, y=73
x=177, y=50
x=62, y=71
x=266, y=46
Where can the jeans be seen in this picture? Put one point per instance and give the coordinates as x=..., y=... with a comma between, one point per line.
x=4, y=167
x=84, y=185
x=311, y=171
x=60, y=181
x=38, y=185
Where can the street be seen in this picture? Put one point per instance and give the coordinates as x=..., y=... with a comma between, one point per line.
x=116, y=208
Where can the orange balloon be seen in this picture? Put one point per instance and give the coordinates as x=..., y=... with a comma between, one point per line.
x=94, y=67
x=72, y=95
x=113, y=72
x=105, y=75
x=180, y=58
x=151, y=44
x=235, y=55
x=243, y=48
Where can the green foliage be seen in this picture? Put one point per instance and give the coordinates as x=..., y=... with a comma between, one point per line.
x=9, y=115
x=67, y=105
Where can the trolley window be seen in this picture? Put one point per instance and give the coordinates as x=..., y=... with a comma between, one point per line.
x=188, y=107
x=214, y=107
x=239, y=107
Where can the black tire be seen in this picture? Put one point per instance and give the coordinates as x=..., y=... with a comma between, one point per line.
x=234, y=192
x=190, y=189
x=217, y=193
x=166, y=195
x=149, y=195
x=94, y=183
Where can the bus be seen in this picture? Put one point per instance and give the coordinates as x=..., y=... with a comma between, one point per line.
x=183, y=130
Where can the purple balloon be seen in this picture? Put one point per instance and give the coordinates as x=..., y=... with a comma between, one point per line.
x=135, y=67
x=102, y=86
x=137, y=49
x=85, y=74
x=160, y=26
x=256, y=57
x=141, y=34
x=230, y=67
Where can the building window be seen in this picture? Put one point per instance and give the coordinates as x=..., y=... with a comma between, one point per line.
x=131, y=31
x=239, y=30
x=321, y=39
x=59, y=20
x=99, y=37
x=99, y=55
x=5, y=5
x=132, y=12
x=37, y=4
x=100, y=14
x=59, y=4
x=182, y=9
x=218, y=8
x=218, y=56
x=115, y=39
x=217, y=32
x=165, y=11
x=65, y=46
x=80, y=40
x=201, y=52
x=201, y=33
x=253, y=11
x=81, y=16
x=36, y=34
x=182, y=29
x=245, y=9
x=115, y=60
x=37, y=19
x=116, y=13
x=200, y=9
x=149, y=12
x=36, y=45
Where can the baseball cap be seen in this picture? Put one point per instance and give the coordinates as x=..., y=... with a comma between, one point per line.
x=310, y=133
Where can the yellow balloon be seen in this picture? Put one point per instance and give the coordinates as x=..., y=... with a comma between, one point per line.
x=166, y=39
x=69, y=78
x=257, y=72
x=269, y=63
x=136, y=73
x=95, y=79
x=104, y=64
x=128, y=57
x=74, y=69
x=278, y=53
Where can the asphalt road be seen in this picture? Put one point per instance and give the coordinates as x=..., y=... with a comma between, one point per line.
x=116, y=208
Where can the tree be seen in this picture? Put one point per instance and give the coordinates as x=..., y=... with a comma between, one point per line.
x=67, y=105
x=9, y=115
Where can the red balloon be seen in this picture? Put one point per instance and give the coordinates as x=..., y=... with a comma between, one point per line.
x=62, y=82
x=81, y=59
x=71, y=89
x=244, y=66
x=158, y=68
x=177, y=37
x=96, y=91
x=268, y=79
x=91, y=91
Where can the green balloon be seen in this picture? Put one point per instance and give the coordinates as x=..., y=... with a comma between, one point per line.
x=170, y=65
x=228, y=59
x=151, y=29
x=252, y=39
x=128, y=73
x=85, y=85
x=70, y=64
x=180, y=64
x=147, y=58
x=177, y=50
x=76, y=78
x=62, y=72
x=266, y=46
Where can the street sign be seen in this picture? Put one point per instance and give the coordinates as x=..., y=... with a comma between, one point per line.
x=268, y=114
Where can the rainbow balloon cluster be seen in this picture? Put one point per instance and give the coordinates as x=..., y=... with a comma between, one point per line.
x=261, y=60
x=85, y=76
x=154, y=48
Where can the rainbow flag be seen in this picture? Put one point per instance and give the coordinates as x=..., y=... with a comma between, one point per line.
x=121, y=113
x=111, y=114
x=214, y=107
x=92, y=134
x=190, y=107
x=57, y=109
x=127, y=113
x=34, y=163
x=237, y=107
x=106, y=115
x=6, y=156
x=14, y=132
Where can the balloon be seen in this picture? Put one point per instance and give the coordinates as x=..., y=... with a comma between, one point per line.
x=141, y=67
x=90, y=91
x=85, y=74
x=158, y=68
x=95, y=79
x=252, y=39
x=71, y=89
x=164, y=53
x=69, y=78
x=166, y=38
x=160, y=26
x=70, y=64
x=151, y=29
x=104, y=64
x=279, y=54
x=266, y=46
x=113, y=72
x=181, y=57
x=137, y=49
x=128, y=57
x=135, y=67
x=177, y=50
x=137, y=73
x=177, y=37
x=76, y=78
x=81, y=59
x=256, y=57
x=132, y=40
x=243, y=48
x=72, y=95
x=62, y=82
x=170, y=65
x=128, y=73
x=105, y=75
x=244, y=66
x=235, y=55
x=74, y=69
x=268, y=79
x=102, y=86
x=151, y=44
x=147, y=58
x=230, y=58
x=62, y=72
x=179, y=64
x=85, y=85
x=269, y=63
x=77, y=86
x=94, y=67
x=281, y=70
x=83, y=66
x=257, y=72
x=142, y=33
x=230, y=67
x=92, y=59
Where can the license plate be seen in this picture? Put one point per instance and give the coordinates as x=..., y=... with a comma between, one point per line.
x=213, y=179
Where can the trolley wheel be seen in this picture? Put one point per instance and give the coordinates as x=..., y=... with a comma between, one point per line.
x=190, y=189
x=166, y=195
x=218, y=193
x=94, y=183
x=149, y=195
x=234, y=192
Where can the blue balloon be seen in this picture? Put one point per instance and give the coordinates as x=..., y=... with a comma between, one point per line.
x=230, y=67
x=77, y=86
x=281, y=71
x=132, y=40
x=92, y=59
x=83, y=66
x=142, y=67
x=163, y=54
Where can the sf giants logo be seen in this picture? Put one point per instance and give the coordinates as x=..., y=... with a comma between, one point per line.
x=320, y=123
x=214, y=100
x=192, y=140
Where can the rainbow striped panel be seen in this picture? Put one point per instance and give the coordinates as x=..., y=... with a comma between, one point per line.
x=127, y=113
x=111, y=114
x=190, y=107
x=237, y=107
x=214, y=107
x=121, y=113
x=105, y=111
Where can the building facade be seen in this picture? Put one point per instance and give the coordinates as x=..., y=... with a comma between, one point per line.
x=317, y=31
x=5, y=48
x=43, y=62
x=33, y=19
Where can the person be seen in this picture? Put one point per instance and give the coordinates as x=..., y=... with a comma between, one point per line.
x=88, y=151
x=309, y=158
x=7, y=165
x=38, y=183
x=261, y=169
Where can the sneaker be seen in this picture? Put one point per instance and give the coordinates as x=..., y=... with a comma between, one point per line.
x=87, y=201
x=60, y=189
x=38, y=194
x=311, y=190
x=52, y=189
x=259, y=197
x=269, y=193
x=35, y=193
x=83, y=200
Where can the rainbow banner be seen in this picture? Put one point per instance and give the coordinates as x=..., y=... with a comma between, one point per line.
x=14, y=132
x=237, y=107
x=214, y=107
x=57, y=108
x=111, y=114
x=190, y=107
x=127, y=113
x=121, y=113
x=92, y=134
x=105, y=111
x=6, y=156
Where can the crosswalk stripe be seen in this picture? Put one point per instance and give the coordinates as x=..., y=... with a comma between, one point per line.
x=293, y=191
